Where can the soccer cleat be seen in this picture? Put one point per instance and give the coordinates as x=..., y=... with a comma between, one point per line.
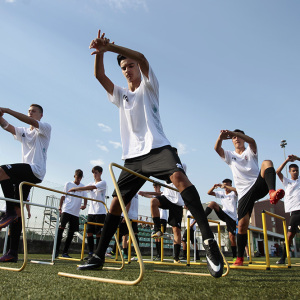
x=281, y=261
x=134, y=258
x=157, y=258
x=214, y=258
x=94, y=263
x=177, y=261
x=157, y=235
x=275, y=196
x=8, y=219
x=88, y=257
x=66, y=255
x=9, y=257
x=239, y=261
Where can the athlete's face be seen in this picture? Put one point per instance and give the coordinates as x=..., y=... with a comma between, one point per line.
x=35, y=113
x=226, y=189
x=156, y=188
x=77, y=179
x=238, y=142
x=294, y=173
x=97, y=175
x=130, y=70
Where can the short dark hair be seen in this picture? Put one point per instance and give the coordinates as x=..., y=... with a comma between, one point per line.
x=293, y=166
x=79, y=173
x=156, y=184
x=227, y=180
x=38, y=106
x=120, y=58
x=97, y=168
x=238, y=130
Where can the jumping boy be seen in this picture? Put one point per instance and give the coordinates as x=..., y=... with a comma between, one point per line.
x=146, y=149
x=228, y=214
x=251, y=182
x=291, y=199
x=35, y=141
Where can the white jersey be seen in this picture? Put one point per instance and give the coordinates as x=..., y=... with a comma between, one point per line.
x=173, y=196
x=292, y=194
x=71, y=205
x=34, y=147
x=244, y=169
x=97, y=208
x=189, y=214
x=229, y=203
x=163, y=214
x=133, y=211
x=140, y=124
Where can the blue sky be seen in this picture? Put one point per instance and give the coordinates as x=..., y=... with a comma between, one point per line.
x=221, y=65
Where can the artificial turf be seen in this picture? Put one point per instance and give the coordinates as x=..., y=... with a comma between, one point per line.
x=38, y=281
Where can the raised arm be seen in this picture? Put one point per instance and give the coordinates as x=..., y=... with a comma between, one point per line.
x=244, y=137
x=82, y=188
x=228, y=187
x=290, y=158
x=211, y=190
x=218, y=146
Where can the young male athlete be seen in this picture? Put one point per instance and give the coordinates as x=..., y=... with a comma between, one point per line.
x=251, y=182
x=146, y=149
x=228, y=214
x=69, y=207
x=97, y=211
x=35, y=141
x=291, y=199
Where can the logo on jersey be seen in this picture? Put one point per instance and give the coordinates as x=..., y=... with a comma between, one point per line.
x=179, y=166
x=23, y=135
x=125, y=98
x=8, y=166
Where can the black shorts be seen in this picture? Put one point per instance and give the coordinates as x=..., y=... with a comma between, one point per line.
x=18, y=173
x=230, y=223
x=95, y=229
x=175, y=211
x=163, y=222
x=184, y=237
x=294, y=224
x=160, y=163
x=124, y=229
x=71, y=219
x=258, y=190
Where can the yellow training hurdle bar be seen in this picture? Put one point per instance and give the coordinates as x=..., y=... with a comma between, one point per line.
x=266, y=265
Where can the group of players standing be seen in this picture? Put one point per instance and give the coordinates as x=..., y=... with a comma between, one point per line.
x=146, y=150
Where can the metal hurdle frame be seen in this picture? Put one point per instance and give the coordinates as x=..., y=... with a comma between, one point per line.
x=265, y=265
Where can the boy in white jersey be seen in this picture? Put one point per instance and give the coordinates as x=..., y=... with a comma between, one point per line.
x=35, y=141
x=291, y=199
x=228, y=214
x=251, y=182
x=69, y=207
x=97, y=211
x=146, y=149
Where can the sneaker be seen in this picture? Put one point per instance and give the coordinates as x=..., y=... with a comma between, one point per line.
x=214, y=258
x=157, y=235
x=134, y=258
x=281, y=261
x=66, y=255
x=94, y=263
x=9, y=257
x=8, y=219
x=177, y=261
x=88, y=257
x=239, y=261
x=157, y=258
x=275, y=196
x=183, y=258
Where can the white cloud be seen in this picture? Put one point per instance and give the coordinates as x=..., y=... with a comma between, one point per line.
x=116, y=145
x=103, y=148
x=182, y=148
x=10, y=1
x=123, y=4
x=97, y=162
x=104, y=127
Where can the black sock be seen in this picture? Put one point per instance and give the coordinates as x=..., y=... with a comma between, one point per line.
x=8, y=190
x=15, y=234
x=270, y=178
x=125, y=251
x=59, y=237
x=184, y=253
x=241, y=244
x=191, y=199
x=283, y=256
x=158, y=248
x=208, y=210
x=110, y=226
x=176, y=251
x=97, y=241
x=137, y=239
x=68, y=241
x=157, y=225
x=90, y=240
x=233, y=248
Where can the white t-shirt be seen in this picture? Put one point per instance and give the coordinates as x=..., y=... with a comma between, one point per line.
x=163, y=214
x=140, y=124
x=133, y=211
x=34, y=147
x=97, y=208
x=173, y=196
x=292, y=194
x=244, y=169
x=188, y=214
x=229, y=203
x=71, y=205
